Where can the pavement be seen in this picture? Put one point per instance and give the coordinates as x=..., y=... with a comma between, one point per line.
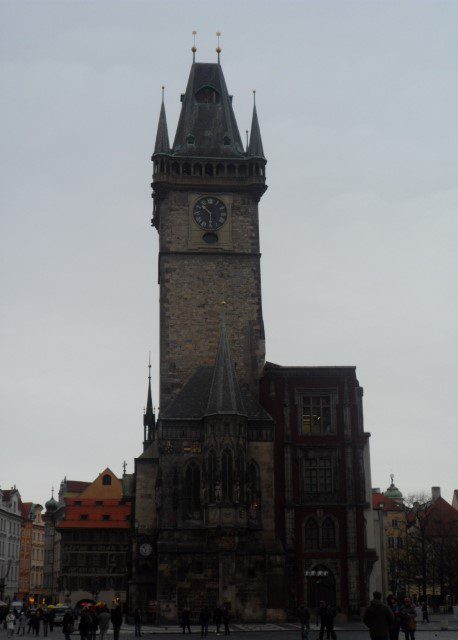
x=352, y=630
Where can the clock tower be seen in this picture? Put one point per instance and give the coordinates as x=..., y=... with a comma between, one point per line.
x=206, y=190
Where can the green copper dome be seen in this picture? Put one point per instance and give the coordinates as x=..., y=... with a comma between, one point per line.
x=392, y=491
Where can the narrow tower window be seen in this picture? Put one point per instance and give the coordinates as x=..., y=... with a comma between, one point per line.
x=192, y=490
x=207, y=95
x=227, y=473
x=328, y=534
x=311, y=534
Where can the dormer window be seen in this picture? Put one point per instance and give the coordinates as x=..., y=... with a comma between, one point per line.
x=226, y=141
x=207, y=95
x=190, y=139
x=106, y=480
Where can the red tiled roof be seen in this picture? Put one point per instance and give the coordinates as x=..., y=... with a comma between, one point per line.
x=388, y=504
x=76, y=486
x=442, y=519
x=25, y=509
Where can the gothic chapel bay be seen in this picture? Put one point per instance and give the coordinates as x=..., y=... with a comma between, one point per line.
x=253, y=487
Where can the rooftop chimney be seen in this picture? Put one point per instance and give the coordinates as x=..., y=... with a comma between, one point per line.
x=435, y=492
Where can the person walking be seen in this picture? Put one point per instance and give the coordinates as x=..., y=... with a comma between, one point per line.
x=22, y=623
x=186, y=620
x=116, y=621
x=138, y=623
x=84, y=626
x=37, y=621
x=68, y=622
x=378, y=618
x=396, y=611
x=326, y=615
x=424, y=611
x=51, y=616
x=408, y=624
x=217, y=618
x=93, y=623
x=45, y=621
x=10, y=622
x=204, y=619
x=103, y=620
x=304, y=618
x=226, y=619
x=31, y=622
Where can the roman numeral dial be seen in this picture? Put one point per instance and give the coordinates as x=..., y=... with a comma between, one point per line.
x=210, y=213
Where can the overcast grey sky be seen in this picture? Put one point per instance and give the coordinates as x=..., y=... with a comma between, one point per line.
x=358, y=105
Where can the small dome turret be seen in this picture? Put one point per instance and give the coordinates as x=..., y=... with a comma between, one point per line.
x=393, y=492
x=51, y=505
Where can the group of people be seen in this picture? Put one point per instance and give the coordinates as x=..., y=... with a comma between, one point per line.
x=386, y=621
x=326, y=615
x=93, y=619
x=221, y=617
x=33, y=621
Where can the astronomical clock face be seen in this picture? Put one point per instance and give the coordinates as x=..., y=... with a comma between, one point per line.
x=145, y=549
x=210, y=213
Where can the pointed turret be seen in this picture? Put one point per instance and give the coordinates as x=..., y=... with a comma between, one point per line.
x=207, y=126
x=255, y=149
x=149, y=417
x=225, y=397
x=162, y=137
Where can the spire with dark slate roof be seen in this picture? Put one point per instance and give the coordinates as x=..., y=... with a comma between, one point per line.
x=207, y=127
x=225, y=397
x=255, y=149
x=162, y=137
x=149, y=418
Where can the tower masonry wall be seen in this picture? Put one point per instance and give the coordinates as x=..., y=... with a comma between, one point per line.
x=193, y=285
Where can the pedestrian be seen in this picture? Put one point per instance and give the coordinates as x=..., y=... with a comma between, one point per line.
x=22, y=623
x=408, y=624
x=10, y=622
x=37, y=621
x=51, y=616
x=116, y=621
x=424, y=611
x=204, y=619
x=45, y=620
x=68, y=622
x=326, y=615
x=396, y=611
x=93, y=623
x=138, y=623
x=379, y=618
x=186, y=620
x=84, y=626
x=304, y=618
x=103, y=620
x=217, y=618
x=31, y=622
x=226, y=618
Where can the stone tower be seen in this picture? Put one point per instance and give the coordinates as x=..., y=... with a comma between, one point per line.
x=206, y=189
x=203, y=488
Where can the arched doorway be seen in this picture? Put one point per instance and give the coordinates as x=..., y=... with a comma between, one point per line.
x=321, y=585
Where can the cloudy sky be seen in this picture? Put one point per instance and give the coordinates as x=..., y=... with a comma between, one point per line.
x=358, y=106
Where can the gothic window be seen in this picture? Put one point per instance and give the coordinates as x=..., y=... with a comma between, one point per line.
x=252, y=483
x=211, y=476
x=220, y=169
x=208, y=169
x=106, y=479
x=192, y=490
x=316, y=414
x=197, y=169
x=175, y=168
x=231, y=170
x=328, y=534
x=186, y=171
x=207, y=95
x=242, y=170
x=227, y=468
x=311, y=534
x=318, y=475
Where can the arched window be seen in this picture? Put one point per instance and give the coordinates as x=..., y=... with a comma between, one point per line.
x=186, y=171
x=106, y=480
x=227, y=469
x=208, y=169
x=162, y=166
x=328, y=534
x=219, y=169
x=311, y=534
x=211, y=476
x=192, y=490
x=207, y=95
x=242, y=170
x=252, y=483
x=197, y=169
x=175, y=168
x=231, y=170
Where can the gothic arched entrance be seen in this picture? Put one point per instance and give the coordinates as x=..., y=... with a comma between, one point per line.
x=321, y=585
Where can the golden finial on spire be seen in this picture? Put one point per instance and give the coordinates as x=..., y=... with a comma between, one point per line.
x=218, y=48
x=194, y=48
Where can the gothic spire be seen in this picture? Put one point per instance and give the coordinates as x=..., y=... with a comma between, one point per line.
x=207, y=127
x=162, y=137
x=225, y=396
x=149, y=418
x=255, y=149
